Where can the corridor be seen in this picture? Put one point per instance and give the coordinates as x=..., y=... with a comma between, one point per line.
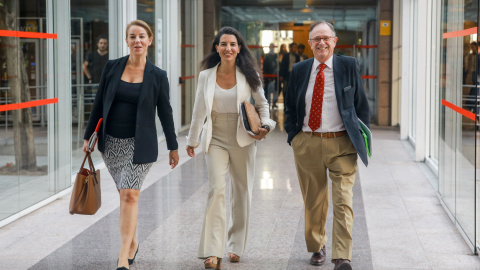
x=399, y=222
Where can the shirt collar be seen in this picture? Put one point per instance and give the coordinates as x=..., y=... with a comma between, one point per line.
x=329, y=62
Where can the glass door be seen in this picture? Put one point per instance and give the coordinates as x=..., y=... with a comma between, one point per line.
x=188, y=59
x=89, y=53
x=459, y=113
x=24, y=153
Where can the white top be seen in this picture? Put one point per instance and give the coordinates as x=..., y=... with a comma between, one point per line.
x=331, y=119
x=225, y=100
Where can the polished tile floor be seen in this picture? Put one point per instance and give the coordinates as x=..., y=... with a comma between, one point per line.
x=396, y=226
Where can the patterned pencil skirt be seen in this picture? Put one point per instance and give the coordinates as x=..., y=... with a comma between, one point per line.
x=118, y=157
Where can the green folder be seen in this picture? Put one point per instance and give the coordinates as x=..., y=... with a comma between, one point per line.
x=367, y=136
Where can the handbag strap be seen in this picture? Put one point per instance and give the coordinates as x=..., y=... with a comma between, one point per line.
x=83, y=162
x=90, y=162
x=92, y=168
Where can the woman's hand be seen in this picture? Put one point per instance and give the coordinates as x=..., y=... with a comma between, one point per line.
x=261, y=134
x=173, y=158
x=190, y=151
x=85, y=146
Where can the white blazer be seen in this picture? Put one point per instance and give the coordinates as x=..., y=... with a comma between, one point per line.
x=203, y=109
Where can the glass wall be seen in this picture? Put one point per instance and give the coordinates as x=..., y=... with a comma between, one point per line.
x=458, y=127
x=24, y=152
x=89, y=53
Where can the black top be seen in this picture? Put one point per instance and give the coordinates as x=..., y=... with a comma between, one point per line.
x=285, y=64
x=123, y=113
x=96, y=62
x=270, y=63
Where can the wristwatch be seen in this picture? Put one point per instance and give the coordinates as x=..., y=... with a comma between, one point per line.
x=266, y=127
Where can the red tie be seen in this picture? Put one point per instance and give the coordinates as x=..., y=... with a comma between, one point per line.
x=317, y=100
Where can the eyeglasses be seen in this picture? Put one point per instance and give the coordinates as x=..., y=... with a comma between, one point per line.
x=318, y=39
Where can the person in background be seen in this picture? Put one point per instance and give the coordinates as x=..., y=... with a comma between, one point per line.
x=230, y=76
x=130, y=91
x=287, y=64
x=282, y=52
x=473, y=69
x=301, y=49
x=270, y=73
x=324, y=104
x=96, y=60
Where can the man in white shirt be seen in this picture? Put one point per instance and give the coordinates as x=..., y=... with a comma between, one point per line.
x=324, y=103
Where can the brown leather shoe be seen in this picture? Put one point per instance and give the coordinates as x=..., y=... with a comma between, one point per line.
x=318, y=258
x=341, y=264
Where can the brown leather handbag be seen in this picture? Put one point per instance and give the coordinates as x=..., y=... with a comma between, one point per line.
x=250, y=118
x=86, y=196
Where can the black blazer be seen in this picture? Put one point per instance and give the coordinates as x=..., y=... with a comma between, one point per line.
x=351, y=99
x=285, y=64
x=154, y=94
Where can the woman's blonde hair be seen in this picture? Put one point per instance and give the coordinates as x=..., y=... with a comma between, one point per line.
x=142, y=24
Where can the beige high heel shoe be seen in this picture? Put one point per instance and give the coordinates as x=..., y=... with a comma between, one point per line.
x=213, y=262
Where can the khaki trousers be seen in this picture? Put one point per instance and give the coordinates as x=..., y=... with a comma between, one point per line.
x=313, y=156
x=224, y=154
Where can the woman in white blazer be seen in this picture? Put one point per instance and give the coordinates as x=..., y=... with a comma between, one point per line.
x=229, y=78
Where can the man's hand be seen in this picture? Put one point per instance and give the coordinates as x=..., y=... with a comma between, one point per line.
x=173, y=158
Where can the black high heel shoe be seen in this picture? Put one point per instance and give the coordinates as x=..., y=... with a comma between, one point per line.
x=130, y=261
x=122, y=268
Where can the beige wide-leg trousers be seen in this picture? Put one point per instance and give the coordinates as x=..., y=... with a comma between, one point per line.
x=313, y=156
x=224, y=154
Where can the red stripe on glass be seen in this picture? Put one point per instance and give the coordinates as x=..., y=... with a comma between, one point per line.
x=461, y=33
x=459, y=110
x=22, y=34
x=29, y=104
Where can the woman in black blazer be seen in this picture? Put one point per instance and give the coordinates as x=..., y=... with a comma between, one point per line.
x=131, y=89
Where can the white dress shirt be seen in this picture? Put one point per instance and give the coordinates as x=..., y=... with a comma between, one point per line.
x=331, y=120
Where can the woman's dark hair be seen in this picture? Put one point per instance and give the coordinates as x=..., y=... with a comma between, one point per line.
x=245, y=60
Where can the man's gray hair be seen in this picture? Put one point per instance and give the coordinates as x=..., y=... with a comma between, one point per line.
x=322, y=22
